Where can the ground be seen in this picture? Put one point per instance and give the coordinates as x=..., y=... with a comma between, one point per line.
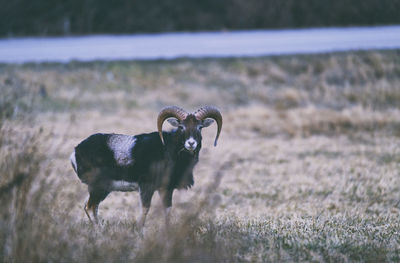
x=307, y=167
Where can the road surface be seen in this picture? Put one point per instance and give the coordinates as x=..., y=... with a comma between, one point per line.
x=205, y=44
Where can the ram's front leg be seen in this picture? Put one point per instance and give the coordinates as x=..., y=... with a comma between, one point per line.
x=166, y=199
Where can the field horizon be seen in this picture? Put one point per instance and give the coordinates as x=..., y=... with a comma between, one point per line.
x=307, y=167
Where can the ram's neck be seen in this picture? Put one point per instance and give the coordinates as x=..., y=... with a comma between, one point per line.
x=172, y=145
x=184, y=161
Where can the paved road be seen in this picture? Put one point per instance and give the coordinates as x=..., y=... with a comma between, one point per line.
x=207, y=44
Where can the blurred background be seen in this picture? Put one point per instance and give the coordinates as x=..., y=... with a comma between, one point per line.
x=78, y=17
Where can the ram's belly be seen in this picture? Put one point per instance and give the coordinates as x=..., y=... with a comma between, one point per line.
x=123, y=186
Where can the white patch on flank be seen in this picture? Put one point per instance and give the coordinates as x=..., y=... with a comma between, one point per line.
x=122, y=145
x=124, y=186
x=73, y=161
x=190, y=144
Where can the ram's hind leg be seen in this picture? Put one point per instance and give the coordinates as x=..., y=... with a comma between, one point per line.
x=92, y=205
x=86, y=209
x=146, y=194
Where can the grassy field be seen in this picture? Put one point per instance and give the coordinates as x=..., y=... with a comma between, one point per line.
x=307, y=167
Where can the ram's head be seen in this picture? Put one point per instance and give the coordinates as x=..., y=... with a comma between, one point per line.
x=189, y=125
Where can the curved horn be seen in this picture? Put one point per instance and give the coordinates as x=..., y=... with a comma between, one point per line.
x=210, y=112
x=168, y=112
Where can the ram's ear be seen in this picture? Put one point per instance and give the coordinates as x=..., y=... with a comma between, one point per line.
x=207, y=122
x=174, y=122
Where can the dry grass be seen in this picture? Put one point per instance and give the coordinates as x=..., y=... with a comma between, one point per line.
x=307, y=167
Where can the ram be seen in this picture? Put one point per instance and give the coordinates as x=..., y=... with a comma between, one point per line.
x=158, y=161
